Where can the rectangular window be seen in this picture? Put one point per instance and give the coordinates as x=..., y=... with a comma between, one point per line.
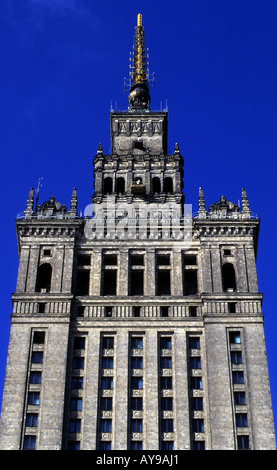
x=198, y=445
x=167, y=445
x=73, y=445
x=77, y=383
x=196, y=383
x=78, y=362
x=41, y=307
x=37, y=357
x=136, y=260
x=167, y=425
x=163, y=260
x=79, y=342
x=136, y=383
x=83, y=260
x=29, y=443
x=163, y=282
x=105, y=425
x=33, y=398
x=76, y=404
x=108, y=342
x=167, y=404
x=82, y=283
x=109, y=280
x=110, y=259
x=241, y=420
x=194, y=342
x=136, y=404
x=195, y=362
x=238, y=377
x=35, y=377
x=166, y=362
x=136, y=311
x=39, y=337
x=107, y=383
x=165, y=342
x=136, y=425
x=107, y=363
x=32, y=420
x=231, y=307
x=136, y=282
x=164, y=311
x=166, y=383
x=198, y=425
x=236, y=357
x=239, y=398
x=136, y=342
x=136, y=363
x=136, y=445
x=243, y=443
x=106, y=404
x=189, y=260
x=235, y=337
x=75, y=425
x=197, y=403
x=190, y=282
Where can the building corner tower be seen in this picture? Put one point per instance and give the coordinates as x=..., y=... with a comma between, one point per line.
x=139, y=327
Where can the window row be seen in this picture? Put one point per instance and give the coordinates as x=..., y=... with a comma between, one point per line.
x=118, y=185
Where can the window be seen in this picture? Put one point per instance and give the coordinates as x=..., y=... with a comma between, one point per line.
x=46, y=252
x=108, y=342
x=227, y=252
x=241, y=420
x=136, y=445
x=197, y=403
x=198, y=445
x=167, y=425
x=166, y=362
x=105, y=445
x=35, y=377
x=163, y=282
x=195, y=362
x=239, y=398
x=189, y=260
x=165, y=342
x=238, y=377
x=136, y=259
x=136, y=342
x=77, y=383
x=198, y=425
x=107, y=383
x=167, y=445
x=29, y=442
x=73, y=445
x=109, y=280
x=243, y=443
x=232, y=307
x=168, y=185
x=110, y=259
x=106, y=404
x=83, y=260
x=82, y=283
x=196, y=383
x=167, y=404
x=76, y=404
x=236, y=357
x=108, y=185
x=79, y=342
x=32, y=420
x=33, y=398
x=136, y=425
x=37, y=357
x=136, y=383
x=136, y=282
x=41, y=307
x=164, y=311
x=108, y=312
x=166, y=383
x=75, y=425
x=194, y=342
x=136, y=362
x=136, y=404
x=163, y=259
x=120, y=185
x=228, y=278
x=235, y=337
x=156, y=185
x=192, y=311
x=105, y=425
x=78, y=362
x=190, y=282
x=39, y=337
x=107, y=363
x=44, y=276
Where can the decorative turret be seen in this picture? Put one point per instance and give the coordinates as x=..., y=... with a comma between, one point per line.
x=30, y=204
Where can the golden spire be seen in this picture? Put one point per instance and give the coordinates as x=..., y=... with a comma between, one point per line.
x=138, y=72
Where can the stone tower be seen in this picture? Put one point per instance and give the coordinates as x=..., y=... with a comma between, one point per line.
x=137, y=326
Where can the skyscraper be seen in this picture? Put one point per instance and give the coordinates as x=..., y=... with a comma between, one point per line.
x=139, y=325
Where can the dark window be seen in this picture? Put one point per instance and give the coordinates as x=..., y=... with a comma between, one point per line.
x=189, y=260
x=197, y=403
x=108, y=342
x=32, y=420
x=76, y=404
x=136, y=404
x=136, y=445
x=46, y=252
x=168, y=185
x=84, y=260
x=236, y=357
x=105, y=445
x=243, y=443
x=166, y=362
x=235, y=337
x=82, y=284
x=108, y=185
x=107, y=363
x=167, y=445
x=198, y=445
x=163, y=260
x=164, y=311
x=108, y=312
x=240, y=398
x=198, y=425
x=78, y=362
x=231, y=307
x=194, y=342
x=120, y=185
x=227, y=252
x=73, y=445
x=44, y=277
x=136, y=287
x=136, y=342
x=136, y=311
x=33, y=398
x=167, y=425
x=110, y=259
x=75, y=425
x=136, y=425
x=166, y=383
x=165, y=342
x=136, y=363
x=192, y=311
x=136, y=259
x=156, y=185
x=105, y=425
x=195, y=362
x=136, y=383
x=163, y=282
x=79, y=342
x=241, y=420
x=107, y=383
x=29, y=442
x=41, y=307
x=228, y=278
x=109, y=278
x=80, y=311
x=106, y=404
x=77, y=383
x=39, y=337
x=196, y=383
x=190, y=282
x=167, y=404
x=238, y=377
x=37, y=357
x=35, y=377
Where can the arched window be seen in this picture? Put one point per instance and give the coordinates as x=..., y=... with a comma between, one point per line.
x=44, y=277
x=156, y=185
x=120, y=185
x=168, y=185
x=229, y=278
x=108, y=185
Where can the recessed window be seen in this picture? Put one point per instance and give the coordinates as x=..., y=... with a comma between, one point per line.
x=165, y=342
x=236, y=357
x=136, y=363
x=164, y=311
x=192, y=311
x=29, y=442
x=136, y=311
x=107, y=383
x=83, y=260
x=39, y=337
x=235, y=337
x=110, y=259
x=76, y=404
x=190, y=282
x=79, y=342
x=227, y=252
x=243, y=443
x=75, y=425
x=166, y=383
x=167, y=425
x=33, y=398
x=189, y=260
x=136, y=383
x=231, y=307
x=105, y=425
x=194, y=342
x=46, y=252
x=107, y=363
x=166, y=362
x=41, y=307
x=108, y=342
x=35, y=377
x=37, y=357
x=136, y=342
x=32, y=420
x=241, y=420
x=82, y=284
x=77, y=383
x=78, y=362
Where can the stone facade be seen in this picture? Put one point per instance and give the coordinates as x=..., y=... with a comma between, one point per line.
x=143, y=337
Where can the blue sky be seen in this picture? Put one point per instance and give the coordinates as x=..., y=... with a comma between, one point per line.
x=62, y=66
